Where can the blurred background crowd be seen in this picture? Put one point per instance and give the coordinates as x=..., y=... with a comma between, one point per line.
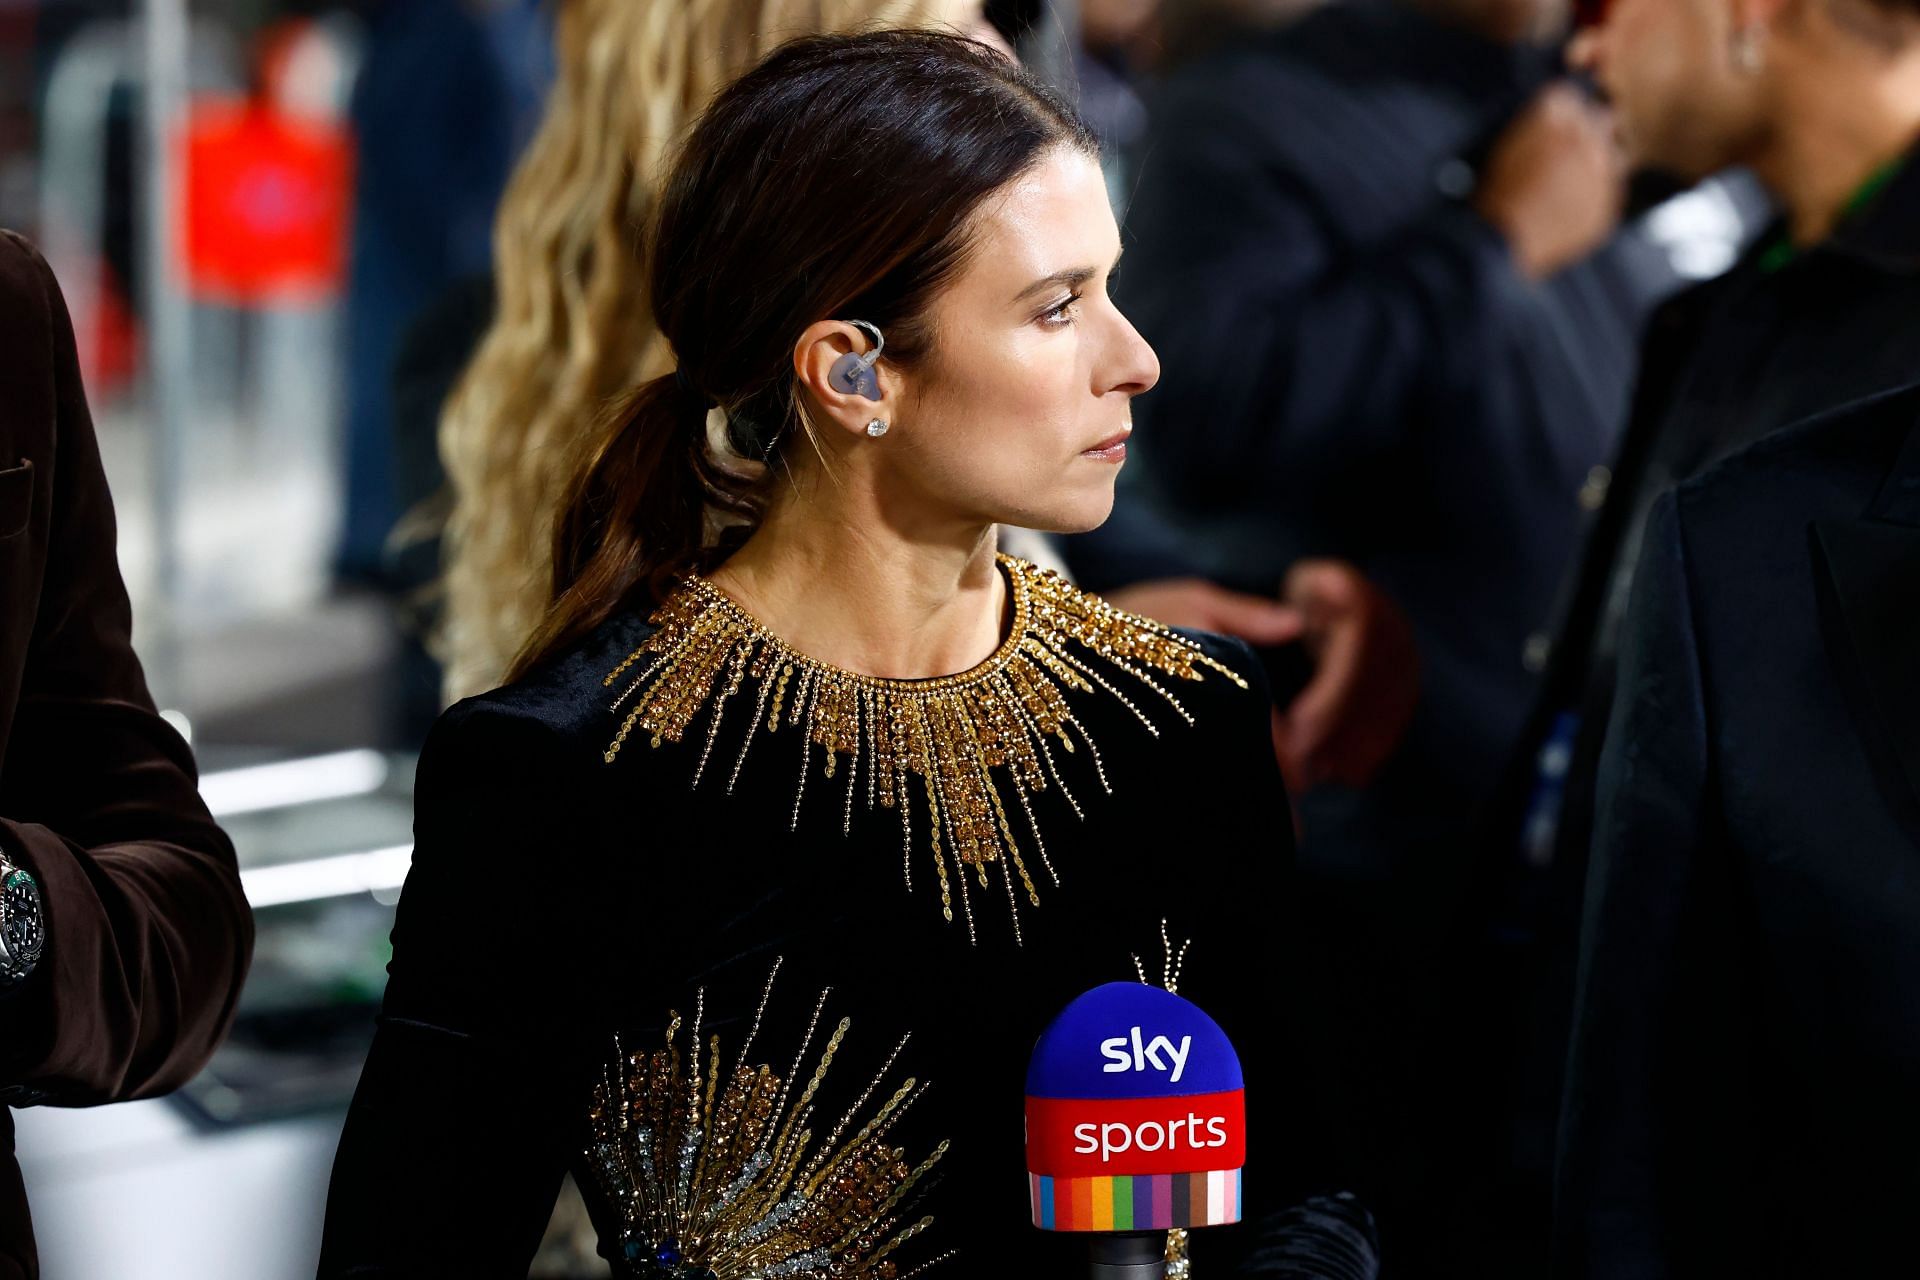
x=350, y=281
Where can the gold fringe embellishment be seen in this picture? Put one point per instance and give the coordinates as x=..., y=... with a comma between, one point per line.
x=967, y=737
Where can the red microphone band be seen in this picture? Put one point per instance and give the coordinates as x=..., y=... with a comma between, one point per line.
x=1094, y=1137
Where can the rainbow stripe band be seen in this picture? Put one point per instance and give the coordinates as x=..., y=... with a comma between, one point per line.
x=1141, y=1202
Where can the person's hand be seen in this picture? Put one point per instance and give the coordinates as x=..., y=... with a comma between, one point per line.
x=1207, y=606
x=1556, y=182
x=1347, y=721
x=1353, y=712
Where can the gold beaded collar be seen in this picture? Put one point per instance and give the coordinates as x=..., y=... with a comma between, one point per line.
x=953, y=732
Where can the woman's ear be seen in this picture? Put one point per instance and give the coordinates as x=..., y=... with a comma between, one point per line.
x=839, y=365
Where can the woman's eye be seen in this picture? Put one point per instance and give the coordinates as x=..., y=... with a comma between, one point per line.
x=1062, y=314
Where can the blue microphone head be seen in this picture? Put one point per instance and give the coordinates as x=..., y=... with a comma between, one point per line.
x=1063, y=1066
x=1136, y=1115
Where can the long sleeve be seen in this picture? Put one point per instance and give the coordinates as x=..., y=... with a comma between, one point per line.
x=473, y=1096
x=1653, y=1144
x=148, y=931
x=1285, y=353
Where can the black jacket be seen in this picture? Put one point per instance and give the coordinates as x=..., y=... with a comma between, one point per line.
x=1768, y=344
x=1744, y=1088
x=1729, y=361
x=556, y=898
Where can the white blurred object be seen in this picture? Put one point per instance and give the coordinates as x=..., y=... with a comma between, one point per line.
x=286, y=783
x=136, y=1192
x=376, y=871
x=1703, y=231
x=316, y=73
x=180, y=723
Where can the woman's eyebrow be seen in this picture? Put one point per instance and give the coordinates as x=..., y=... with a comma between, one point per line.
x=1072, y=278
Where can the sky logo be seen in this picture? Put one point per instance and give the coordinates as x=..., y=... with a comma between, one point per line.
x=1131, y=1053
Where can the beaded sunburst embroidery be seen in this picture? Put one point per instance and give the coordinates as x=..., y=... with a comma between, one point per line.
x=966, y=738
x=715, y=1174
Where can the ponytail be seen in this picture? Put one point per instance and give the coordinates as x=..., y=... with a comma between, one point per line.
x=634, y=522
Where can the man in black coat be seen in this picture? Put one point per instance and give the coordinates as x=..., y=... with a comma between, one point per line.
x=1821, y=101
x=1744, y=1089
x=146, y=931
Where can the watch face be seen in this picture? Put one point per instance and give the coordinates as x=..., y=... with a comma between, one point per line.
x=20, y=924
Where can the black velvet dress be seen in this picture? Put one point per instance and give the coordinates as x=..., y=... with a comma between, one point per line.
x=562, y=893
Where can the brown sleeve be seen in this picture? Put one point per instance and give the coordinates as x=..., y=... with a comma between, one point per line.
x=148, y=930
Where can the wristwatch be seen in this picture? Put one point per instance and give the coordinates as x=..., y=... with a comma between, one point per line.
x=22, y=928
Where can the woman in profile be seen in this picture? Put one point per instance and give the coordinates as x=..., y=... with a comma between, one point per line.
x=789, y=703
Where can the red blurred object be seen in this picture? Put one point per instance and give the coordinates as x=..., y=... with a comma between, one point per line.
x=112, y=356
x=1590, y=13
x=267, y=197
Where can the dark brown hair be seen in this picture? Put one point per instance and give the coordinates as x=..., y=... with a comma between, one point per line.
x=837, y=179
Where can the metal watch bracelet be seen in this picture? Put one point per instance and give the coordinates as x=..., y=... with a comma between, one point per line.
x=22, y=929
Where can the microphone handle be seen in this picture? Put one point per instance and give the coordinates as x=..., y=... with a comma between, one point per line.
x=1127, y=1255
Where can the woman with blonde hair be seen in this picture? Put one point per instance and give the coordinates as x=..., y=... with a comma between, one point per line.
x=572, y=328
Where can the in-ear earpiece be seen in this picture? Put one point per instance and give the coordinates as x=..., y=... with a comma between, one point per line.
x=854, y=373
x=852, y=376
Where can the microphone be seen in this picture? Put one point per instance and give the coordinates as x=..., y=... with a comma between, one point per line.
x=1136, y=1125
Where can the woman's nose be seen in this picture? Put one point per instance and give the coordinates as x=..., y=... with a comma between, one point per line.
x=1136, y=368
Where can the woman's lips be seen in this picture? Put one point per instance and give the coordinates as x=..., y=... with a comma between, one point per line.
x=1112, y=449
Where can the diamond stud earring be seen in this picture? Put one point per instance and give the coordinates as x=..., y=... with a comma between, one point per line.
x=877, y=428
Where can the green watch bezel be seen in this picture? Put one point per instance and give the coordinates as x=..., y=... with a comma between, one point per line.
x=15, y=967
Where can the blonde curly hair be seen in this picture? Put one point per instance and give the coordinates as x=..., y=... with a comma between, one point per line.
x=572, y=326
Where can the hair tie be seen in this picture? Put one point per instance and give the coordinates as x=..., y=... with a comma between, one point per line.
x=686, y=385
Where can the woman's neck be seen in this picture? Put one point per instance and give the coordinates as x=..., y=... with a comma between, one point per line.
x=871, y=599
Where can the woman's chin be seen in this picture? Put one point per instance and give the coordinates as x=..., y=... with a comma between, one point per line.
x=1082, y=516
